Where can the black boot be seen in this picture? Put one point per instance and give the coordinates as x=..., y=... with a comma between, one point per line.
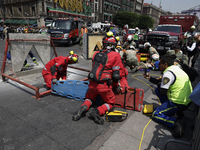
x=178, y=129
x=77, y=115
x=95, y=114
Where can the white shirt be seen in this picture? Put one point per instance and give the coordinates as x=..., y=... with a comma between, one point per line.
x=192, y=47
x=168, y=74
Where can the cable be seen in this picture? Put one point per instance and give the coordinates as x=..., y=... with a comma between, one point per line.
x=158, y=102
x=143, y=133
x=147, y=84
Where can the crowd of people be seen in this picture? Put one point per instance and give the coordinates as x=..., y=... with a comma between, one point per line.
x=110, y=68
x=173, y=88
x=5, y=29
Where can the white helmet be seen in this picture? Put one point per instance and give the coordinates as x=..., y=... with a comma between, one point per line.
x=155, y=57
x=147, y=44
x=150, y=30
x=130, y=37
x=136, y=28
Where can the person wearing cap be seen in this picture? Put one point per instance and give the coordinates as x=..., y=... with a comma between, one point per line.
x=190, y=33
x=56, y=68
x=83, y=30
x=112, y=30
x=153, y=56
x=129, y=43
x=136, y=36
x=193, y=49
x=43, y=30
x=130, y=59
x=179, y=54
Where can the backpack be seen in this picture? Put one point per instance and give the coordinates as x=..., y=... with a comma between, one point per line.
x=191, y=72
x=99, y=62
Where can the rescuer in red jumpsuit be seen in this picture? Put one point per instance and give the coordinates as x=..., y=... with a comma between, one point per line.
x=109, y=79
x=57, y=67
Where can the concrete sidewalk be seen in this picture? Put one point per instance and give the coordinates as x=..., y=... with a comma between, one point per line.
x=29, y=124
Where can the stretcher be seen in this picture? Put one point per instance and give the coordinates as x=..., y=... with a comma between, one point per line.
x=128, y=98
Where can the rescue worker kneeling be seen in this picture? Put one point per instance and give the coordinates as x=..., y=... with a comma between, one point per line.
x=173, y=91
x=57, y=68
x=153, y=56
x=104, y=75
x=131, y=60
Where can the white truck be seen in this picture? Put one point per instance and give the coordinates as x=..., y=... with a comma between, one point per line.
x=100, y=25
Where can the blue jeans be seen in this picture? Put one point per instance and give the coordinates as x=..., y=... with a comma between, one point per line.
x=164, y=113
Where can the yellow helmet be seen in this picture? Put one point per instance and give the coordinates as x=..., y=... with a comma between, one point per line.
x=193, y=27
x=75, y=59
x=109, y=34
x=117, y=38
x=71, y=52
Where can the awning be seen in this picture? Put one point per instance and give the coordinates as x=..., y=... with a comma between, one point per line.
x=106, y=15
x=19, y=21
x=46, y=23
x=15, y=21
x=32, y=21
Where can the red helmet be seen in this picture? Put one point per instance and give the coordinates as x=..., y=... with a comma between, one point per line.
x=110, y=41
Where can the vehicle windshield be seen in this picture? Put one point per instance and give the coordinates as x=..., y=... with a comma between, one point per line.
x=61, y=25
x=131, y=31
x=175, y=29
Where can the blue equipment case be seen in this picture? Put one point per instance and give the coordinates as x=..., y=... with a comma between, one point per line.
x=74, y=89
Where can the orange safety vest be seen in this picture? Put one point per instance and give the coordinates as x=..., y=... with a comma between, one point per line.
x=83, y=31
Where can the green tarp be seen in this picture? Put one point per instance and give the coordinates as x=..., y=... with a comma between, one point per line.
x=15, y=21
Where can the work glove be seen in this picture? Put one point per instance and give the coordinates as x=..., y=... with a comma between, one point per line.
x=54, y=81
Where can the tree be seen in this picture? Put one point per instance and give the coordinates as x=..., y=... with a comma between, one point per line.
x=122, y=18
x=145, y=22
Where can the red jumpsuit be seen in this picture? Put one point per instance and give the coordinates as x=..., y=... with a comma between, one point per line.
x=123, y=77
x=55, y=68
x=102, y=88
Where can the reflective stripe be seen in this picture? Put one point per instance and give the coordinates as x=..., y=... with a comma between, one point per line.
x=159, y=118
x=115, y=67
x=45, y=68
x=108, y=107
x=89, y=100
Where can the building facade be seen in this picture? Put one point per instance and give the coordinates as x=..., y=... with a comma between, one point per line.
x=153, y=12
x=41, y=11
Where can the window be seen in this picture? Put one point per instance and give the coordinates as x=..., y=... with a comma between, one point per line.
x=20, y=9
x=33, y=10
x=61, y=25
x=42, y=6
x=11, y=13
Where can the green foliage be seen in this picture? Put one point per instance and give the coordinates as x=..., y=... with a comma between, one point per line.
x=133, y=20
x=122, y=18
x=145, y=22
